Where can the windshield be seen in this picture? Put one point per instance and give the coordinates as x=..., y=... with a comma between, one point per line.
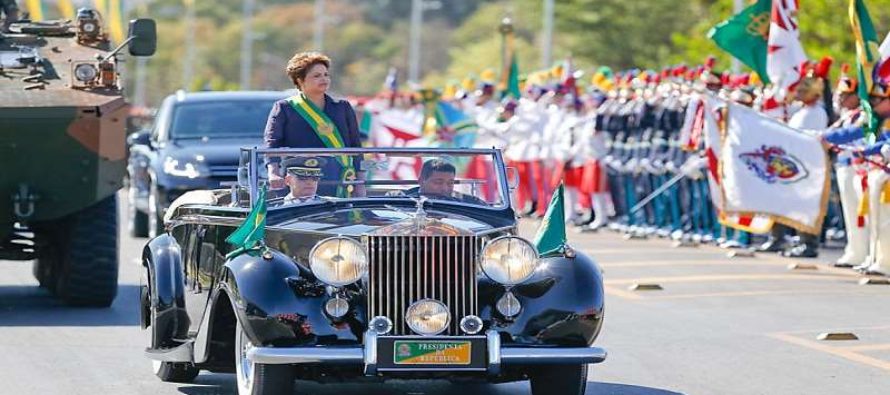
x=472, y=178
x=221, y=119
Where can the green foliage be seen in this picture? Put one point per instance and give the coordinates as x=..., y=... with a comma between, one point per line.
x=365, y=38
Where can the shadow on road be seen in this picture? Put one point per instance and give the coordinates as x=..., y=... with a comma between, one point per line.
x=224, y=384
x=28, y=305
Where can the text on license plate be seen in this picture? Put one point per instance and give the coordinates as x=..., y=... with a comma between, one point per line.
x=431, y=352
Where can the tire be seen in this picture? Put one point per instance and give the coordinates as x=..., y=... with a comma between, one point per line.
x=259, y=379
x=43, y=272
x=154, y=216
x=86, y=246
x=137, y=221
x=559, y=380
x=175, y=372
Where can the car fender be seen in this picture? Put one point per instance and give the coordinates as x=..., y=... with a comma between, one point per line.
x=169, y=320
x=562, y=303
x=272, y=312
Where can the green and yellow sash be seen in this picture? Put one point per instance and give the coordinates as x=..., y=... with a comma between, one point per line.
x=327, y=131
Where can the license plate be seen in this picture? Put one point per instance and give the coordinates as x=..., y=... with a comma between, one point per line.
x=431, y=352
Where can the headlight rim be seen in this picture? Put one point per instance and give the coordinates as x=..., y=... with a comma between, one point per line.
x=537, y=259
x=338, y=237
x=447, y=316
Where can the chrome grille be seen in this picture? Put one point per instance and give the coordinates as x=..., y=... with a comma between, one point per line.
x=405, y=269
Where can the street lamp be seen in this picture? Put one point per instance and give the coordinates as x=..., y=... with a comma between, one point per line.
x=417, y=9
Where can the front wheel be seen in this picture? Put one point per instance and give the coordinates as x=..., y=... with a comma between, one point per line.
x=559, y=380
x=259, y=379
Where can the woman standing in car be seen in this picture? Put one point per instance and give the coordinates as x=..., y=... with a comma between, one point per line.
x=312, y=119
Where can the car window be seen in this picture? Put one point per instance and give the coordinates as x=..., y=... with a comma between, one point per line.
x=220, y=119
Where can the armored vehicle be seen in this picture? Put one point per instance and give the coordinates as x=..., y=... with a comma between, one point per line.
x=62, y=151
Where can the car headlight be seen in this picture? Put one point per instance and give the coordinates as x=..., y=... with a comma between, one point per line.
x=85, y=72
x=428, y=317
x=338, y=261
x=176, y=168
x=509, y=260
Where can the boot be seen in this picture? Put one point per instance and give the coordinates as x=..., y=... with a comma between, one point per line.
x=850, y=191
x=808, y=247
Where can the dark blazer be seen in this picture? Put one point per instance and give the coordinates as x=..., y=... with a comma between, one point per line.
x=286, y=128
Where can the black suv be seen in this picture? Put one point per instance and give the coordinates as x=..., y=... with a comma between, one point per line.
x=193, y=144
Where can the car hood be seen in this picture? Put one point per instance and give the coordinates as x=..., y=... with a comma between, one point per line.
x=385, y=221
x=214, y=151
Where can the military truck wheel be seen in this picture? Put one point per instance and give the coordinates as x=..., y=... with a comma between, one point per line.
x=137, y=221
x=155, y=216
x=43, y=272
x=88, y=248
x=175, y=372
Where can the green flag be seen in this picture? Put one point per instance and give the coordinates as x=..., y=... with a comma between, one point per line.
x=252, y=231
x=512, y=88
x=867, y=54
x=744, y=36
x=551, y=237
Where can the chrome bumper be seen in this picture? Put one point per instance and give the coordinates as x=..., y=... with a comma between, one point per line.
x=367, y=355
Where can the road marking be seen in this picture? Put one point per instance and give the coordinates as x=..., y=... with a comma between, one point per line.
x=756, y=293
x=867, y=347
x=655, y=263
x=836, y=351
x=726, y=277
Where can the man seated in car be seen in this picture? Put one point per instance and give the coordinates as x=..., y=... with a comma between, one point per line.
x=301, y=177
x=437, y=182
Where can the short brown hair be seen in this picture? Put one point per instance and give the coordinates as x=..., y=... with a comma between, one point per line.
x=299, y=65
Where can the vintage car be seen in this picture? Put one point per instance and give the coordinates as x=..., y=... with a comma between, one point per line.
x=387, y=278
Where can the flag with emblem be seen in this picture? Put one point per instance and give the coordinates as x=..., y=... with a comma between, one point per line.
x=744, y=36
x=551, y=236
x=761, y=159
x=252, y=231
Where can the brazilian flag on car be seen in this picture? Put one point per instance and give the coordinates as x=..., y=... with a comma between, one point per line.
x=551, y=237
x=249, y=236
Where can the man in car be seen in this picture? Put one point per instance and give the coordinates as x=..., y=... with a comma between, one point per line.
x=437, y=182
x=302, y=176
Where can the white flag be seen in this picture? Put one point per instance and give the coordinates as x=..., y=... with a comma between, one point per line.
x=784, y=53
x=712, y=116
x=770, y=168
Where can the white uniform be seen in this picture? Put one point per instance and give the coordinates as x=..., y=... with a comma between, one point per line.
x=849, y=182
x=812, y=119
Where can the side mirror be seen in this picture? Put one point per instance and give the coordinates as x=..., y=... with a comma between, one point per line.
x=138, y=138
x=144, y=36
x=512, y=178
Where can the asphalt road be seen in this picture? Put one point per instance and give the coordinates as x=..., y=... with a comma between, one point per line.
x=718, y=326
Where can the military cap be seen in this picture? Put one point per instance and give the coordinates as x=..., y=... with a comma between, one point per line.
x=304, y=166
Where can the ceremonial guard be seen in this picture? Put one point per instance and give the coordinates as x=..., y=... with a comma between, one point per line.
x=811, y=118
x=852, y=180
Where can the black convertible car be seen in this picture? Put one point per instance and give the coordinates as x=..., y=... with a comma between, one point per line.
x=399, y=280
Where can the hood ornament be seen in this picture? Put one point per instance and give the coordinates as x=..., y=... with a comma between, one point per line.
x=420, y=224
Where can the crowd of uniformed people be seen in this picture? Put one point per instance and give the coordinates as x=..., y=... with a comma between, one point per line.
x=619, y=147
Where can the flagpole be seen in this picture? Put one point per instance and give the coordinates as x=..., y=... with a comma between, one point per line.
x=737, y=6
